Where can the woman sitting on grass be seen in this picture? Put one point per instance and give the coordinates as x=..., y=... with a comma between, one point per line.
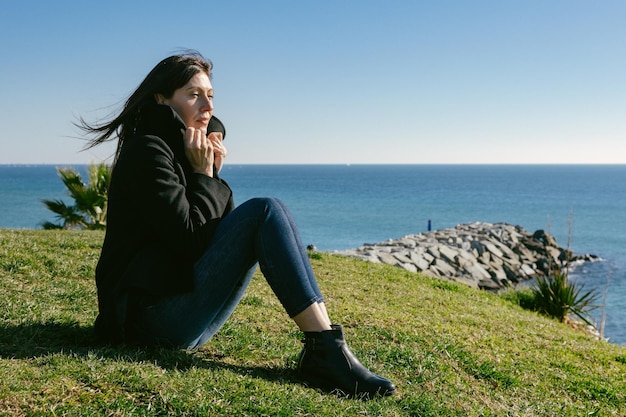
x=178, y=256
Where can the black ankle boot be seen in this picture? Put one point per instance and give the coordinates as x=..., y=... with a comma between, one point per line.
x=326, y=362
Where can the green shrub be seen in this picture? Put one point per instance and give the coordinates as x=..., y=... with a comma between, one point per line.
x=89, y=210
x=557, y=297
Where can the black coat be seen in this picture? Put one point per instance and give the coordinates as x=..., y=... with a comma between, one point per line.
x=161, y=217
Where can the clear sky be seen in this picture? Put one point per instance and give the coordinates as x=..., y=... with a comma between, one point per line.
x=438, y=81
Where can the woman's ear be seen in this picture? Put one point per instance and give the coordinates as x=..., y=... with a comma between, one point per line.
x=159, y=98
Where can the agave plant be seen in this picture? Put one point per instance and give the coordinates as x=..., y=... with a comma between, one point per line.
x=558, y=297
x=90, y=200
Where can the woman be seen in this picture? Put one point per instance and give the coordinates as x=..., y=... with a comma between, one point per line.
x=178, y=256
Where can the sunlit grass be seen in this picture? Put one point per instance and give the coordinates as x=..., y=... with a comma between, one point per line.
x=451, y=350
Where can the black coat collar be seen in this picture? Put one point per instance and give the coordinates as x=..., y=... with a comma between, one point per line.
x=162, y=120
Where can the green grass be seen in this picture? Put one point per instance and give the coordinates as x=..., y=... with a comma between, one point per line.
x=451, y=350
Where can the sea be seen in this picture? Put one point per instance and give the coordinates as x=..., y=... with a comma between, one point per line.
x=341, y=207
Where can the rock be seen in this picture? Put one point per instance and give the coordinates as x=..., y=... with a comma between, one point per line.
x=419, y=261
x=428, y=257
x=409, y=267
x=545, y=238
x=465, y=255
x=447, y=253
x=434, y=252
x=402, y=258
x=489, y=284
x=497, y=272
x=527, y=271
x=387, y=258
x=478, y=272
x=445, y=268
x=492, y=248
x=481, y=255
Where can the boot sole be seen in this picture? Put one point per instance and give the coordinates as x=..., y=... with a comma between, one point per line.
x=316, y=382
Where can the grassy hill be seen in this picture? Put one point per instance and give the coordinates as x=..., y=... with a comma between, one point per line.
x=451, y=350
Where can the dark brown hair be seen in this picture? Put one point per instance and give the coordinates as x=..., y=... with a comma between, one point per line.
x=167, y=76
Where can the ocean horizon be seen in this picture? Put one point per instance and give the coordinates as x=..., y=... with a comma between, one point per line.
x=340, y=207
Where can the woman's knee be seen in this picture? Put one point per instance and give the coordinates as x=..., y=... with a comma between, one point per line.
x=265, y=205
x=269, y=202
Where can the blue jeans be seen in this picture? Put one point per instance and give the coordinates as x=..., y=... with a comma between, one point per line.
x=260, y=231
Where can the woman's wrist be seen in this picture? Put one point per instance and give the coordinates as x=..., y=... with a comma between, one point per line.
x=208, y=173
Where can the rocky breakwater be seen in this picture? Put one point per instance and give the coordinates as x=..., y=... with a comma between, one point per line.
x=482, y=255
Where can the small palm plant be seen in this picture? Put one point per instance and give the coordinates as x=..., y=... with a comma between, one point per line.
x=557, y=297
x=90, y=200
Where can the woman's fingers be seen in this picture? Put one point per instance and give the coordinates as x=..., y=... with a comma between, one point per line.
x=219, y=150
x=218, y=145
x=204, y=151
x=196, y=139
x=199, y=151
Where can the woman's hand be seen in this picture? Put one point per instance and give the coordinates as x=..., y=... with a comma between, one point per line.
x=199, y=151
x=219, y=150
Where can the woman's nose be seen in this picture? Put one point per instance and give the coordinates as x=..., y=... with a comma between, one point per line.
x=207, y=103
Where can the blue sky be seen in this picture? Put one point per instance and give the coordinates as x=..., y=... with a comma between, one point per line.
x=533, y=81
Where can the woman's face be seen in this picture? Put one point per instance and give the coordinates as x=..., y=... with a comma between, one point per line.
x=193, y=102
